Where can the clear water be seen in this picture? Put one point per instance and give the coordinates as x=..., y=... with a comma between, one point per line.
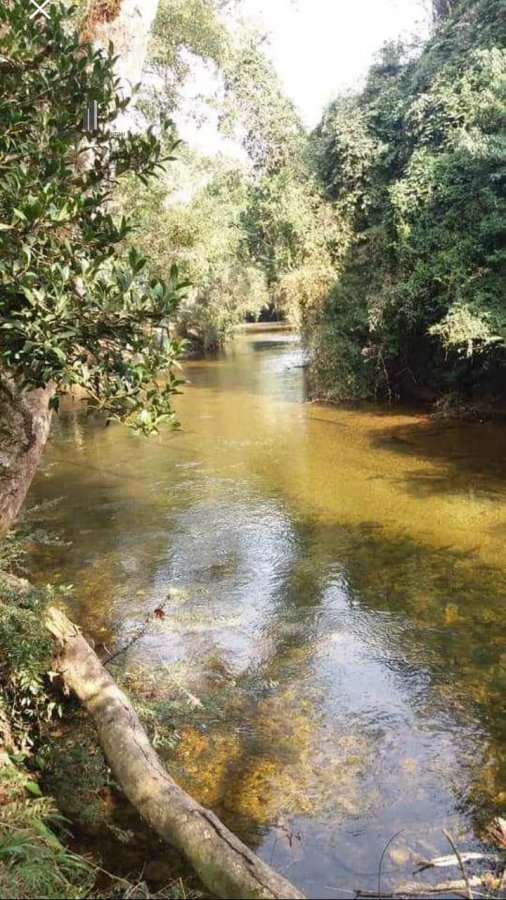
x=333, y=584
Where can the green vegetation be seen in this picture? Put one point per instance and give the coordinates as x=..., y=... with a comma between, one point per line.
x=207, y=242
x=55, y=785
x=413, y=164
x=185, y=31
x=248, y=235
x=380, y=235
x=74, y=309
x=33, y=860
x=290, y=230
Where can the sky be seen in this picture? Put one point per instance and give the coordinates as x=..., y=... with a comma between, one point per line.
x=319, y=48
x=322, y=46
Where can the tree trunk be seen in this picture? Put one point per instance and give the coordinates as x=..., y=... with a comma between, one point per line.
x=128, y=28
x=25, y=419
x=441, y=8
x=225, y=865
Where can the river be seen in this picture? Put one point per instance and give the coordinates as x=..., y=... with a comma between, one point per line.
x=332, y=584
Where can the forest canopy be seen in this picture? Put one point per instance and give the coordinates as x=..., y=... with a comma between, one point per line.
x=380, y=234
x=415, y=164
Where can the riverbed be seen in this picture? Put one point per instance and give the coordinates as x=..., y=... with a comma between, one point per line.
x=331, y=585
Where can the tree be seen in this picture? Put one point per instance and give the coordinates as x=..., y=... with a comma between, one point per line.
x=415, y=163
x=196, y=210
x=75, y=311
x=185, y=31
x=255, y=108
x=289, y=229
x=442, y=8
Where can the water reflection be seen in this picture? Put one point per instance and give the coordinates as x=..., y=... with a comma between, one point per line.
x=334, y=588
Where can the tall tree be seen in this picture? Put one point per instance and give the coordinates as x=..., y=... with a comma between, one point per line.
x=197, y=211
x=72, y=311
x=442, y=8
x=416, y=161
x=289, y=228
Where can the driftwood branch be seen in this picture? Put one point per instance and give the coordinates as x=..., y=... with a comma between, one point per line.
x=225, y=865
x=455, y=849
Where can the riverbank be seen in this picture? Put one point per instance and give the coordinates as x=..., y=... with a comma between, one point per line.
x=264, y=327
x=33, y=860
x=32, y=693
x=66, y=830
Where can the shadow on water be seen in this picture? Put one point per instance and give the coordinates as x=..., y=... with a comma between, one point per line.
x=347, y=646
x=376, y=704
x=470, y=457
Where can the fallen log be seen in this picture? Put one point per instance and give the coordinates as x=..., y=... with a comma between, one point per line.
x=225, y=865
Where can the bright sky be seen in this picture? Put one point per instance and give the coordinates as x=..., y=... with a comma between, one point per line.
x=319, y=48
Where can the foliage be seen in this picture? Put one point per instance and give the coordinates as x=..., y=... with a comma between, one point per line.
x=33, y=862
x=25, y=662
x=442, y=8
x=255, y=107
x=197, y=211
x=344, y=152
x=413, y=165
x=289, y=230
x=250, y=236
x=184, y=31
x=74, y=310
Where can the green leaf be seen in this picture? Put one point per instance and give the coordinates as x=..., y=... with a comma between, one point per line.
x=33, y=788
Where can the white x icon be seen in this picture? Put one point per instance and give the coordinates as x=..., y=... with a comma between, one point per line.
x=39, y=8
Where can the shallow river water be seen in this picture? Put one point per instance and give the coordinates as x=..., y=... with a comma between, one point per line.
x=333, y=583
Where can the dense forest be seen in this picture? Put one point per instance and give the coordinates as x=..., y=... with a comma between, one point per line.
x=413, y=166
x=377, y=236
x=380, y=232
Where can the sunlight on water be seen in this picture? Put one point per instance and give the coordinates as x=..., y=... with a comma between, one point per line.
x=333, y=583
